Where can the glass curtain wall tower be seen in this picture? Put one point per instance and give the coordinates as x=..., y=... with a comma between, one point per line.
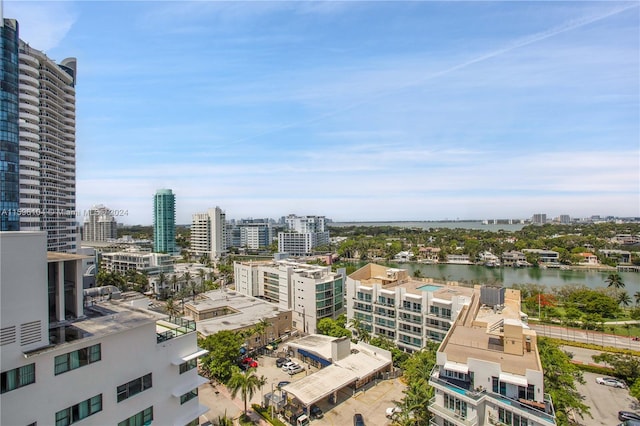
x=9, y=143
x=164, y=222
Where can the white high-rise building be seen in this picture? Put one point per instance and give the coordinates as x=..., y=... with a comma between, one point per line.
x=99, y=225
x=47, y=104
x=209, y=233
x=69, y=355
x=303, y=235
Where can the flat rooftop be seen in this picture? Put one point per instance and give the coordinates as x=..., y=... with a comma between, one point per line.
x=54, y=256
x=102, y=319
x=364, y=361
x=478, y=336
x=246, y=311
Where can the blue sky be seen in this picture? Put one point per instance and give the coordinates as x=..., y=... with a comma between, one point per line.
x=355, y=110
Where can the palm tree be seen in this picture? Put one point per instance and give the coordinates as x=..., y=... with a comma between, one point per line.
x=223, y=420
x=614, y=280
x=244, y=382
x=624, y=299
x=174, y=283
x=637, y=297
x=162, y=279
x=261, y=328
x=171, y=307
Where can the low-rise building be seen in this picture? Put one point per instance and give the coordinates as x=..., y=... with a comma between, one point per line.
x=459, y=259
x=514, y=259
x=68, y=356
x=488, y=370
x=388, y=302
x=545, y=256
x=621, y=256
x=588, y=258
x=221, y=309
x=150, y=263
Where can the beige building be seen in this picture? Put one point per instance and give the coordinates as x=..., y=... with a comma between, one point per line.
x=408, y=311
x=487, y=369
x=222, y=309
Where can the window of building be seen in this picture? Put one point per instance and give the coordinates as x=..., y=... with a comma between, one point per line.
x=512, y=419
x=456, y=405
x=76, y=359
x=189, y=365
x=134, y=387
x=189, y=396
x=18, y=377
x=144, y=417
x=79, y=411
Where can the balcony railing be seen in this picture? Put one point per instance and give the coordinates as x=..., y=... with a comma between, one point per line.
x=473, y=394
x=451, y=416
x=171, y=327
x=548, y=417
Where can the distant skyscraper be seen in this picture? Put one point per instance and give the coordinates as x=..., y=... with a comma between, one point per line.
x=9, y=143
x=99, y=225
x=304, y=233
x=539, y=218
x=209, y=233
x=164, y=221
x=565, y=218
x=46, y=131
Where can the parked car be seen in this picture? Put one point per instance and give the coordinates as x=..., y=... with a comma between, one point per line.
x=391, y=411
x=282, y=361
x=358, y=420
x=288, y=365
x=283, y=383
x=610, y=381
x=316, y=412
x=295, y=369
x=249, y=362
x=628, y=415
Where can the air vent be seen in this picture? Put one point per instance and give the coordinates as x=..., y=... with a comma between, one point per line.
x=30, y=333
x=7, y=335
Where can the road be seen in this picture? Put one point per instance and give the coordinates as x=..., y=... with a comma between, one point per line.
x=585, y=336
x=604, y=402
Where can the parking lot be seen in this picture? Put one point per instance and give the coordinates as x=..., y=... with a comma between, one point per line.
x=370, y=402
x=604, y=401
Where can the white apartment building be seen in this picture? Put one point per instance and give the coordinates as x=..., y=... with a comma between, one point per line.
x=150, y=263
x=47, y=108
x=304, y=233
x=66, y=357
x=488, y=371
x=99, y=225
x=389, y=303
x=209, y=234
x=310, y=292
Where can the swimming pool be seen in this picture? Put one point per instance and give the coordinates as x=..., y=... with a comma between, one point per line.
x=429, y=287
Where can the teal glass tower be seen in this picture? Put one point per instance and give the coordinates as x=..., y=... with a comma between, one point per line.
x=9, y=144
x=164, y=221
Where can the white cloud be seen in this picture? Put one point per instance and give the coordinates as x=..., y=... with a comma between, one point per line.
x=42, y=24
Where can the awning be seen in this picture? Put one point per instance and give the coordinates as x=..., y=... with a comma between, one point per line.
x=513, y=379
x=198, y=354
x=454, y=366
x=181, y=390
x=441, y=301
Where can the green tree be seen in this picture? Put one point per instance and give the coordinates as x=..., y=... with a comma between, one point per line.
x=614, y=280
x=223, y=420
x=224, y=350
x=333, y=328
x=636, y=296
x=171, y=307
x=624, y=299
x=625, y=366
x=560, y=376
x=417, y=369
x=244, y=382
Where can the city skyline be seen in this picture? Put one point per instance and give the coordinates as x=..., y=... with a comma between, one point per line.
x=362, y=111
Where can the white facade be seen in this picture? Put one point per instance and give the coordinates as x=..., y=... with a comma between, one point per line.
x=388, y=303
x=99, y=225
x=151, y=263
x=88, y=366
x=209, y=234
x=304, y=233
x=488, y=370
x=311, y=292
x=47, y=98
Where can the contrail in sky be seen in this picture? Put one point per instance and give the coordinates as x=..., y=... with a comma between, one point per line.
x=522, y=42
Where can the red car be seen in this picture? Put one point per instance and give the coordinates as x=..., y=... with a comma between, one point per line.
x=250, y=362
